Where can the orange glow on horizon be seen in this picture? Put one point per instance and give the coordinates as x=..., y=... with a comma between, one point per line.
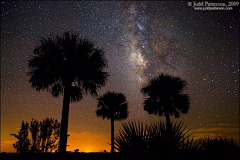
x=88, y=142
x=98, y=142
x=85, y=142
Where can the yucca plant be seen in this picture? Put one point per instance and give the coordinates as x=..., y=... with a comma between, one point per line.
x=167, y=139
x=157, y=139
x=190, y=149
x=189, y=145
x=132, y=138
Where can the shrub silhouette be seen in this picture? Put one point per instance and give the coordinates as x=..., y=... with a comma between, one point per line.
x=23, y=143
x=38, y=137
x=221, y=148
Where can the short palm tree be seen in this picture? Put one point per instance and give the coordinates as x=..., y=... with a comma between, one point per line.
x=69, y=66
x=112, y=106
x=165, y=97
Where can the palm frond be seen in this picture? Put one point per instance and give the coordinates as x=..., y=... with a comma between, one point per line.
x=112, y=105
x=67, y=59
x=190, y=146
x=132, y=138
x=164, y=96
x=156, y=138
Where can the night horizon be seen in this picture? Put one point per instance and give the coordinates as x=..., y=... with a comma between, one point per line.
x=141, y=40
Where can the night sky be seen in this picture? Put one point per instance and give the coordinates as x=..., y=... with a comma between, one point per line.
x=141, y=40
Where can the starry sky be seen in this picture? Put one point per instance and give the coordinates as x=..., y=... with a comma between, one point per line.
x=141, y=40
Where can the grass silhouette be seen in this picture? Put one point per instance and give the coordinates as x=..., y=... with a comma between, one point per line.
x=220, y=148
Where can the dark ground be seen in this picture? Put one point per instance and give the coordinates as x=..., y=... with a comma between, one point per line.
x=108, y=156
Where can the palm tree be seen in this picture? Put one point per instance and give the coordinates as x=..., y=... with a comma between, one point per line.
x=165, y=97
x=69, y=66
x=112, y=106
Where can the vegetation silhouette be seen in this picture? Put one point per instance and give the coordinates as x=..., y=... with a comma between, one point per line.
x=132, y=138
x=165, y=97
x=168, y=140
x=38, y=137
x=73, y=67
x=69, y=66
x=220, y=148
x=112, y=106
x=155, y=139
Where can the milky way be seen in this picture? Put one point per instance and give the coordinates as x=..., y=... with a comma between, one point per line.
x=136, y=44
x=150, y=50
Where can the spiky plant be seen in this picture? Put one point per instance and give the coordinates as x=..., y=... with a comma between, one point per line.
x=190, y=149
x=190, y=145
x=132, y=138
x=167, y=139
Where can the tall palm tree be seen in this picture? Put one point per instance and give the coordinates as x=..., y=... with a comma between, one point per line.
x=69, y=66
x=165, y=97
x=112, y=106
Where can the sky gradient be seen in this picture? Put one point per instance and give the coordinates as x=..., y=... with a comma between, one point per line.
x=141, y=41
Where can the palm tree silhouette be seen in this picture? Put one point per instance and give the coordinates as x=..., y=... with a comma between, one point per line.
x=165, y=97
x=70, y=66
x=112, y=106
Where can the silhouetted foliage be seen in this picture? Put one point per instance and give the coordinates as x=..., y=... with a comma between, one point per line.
x=169, y=139
x=112, y=106
x=165, y=97
x=132, y=138
x=69, y=66
x=38, y=137
x=158, y=139
x=190, y=146
x=23, y=143
x=220, y=148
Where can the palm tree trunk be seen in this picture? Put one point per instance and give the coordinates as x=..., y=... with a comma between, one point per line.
x=112, y=135
x=64, y=121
